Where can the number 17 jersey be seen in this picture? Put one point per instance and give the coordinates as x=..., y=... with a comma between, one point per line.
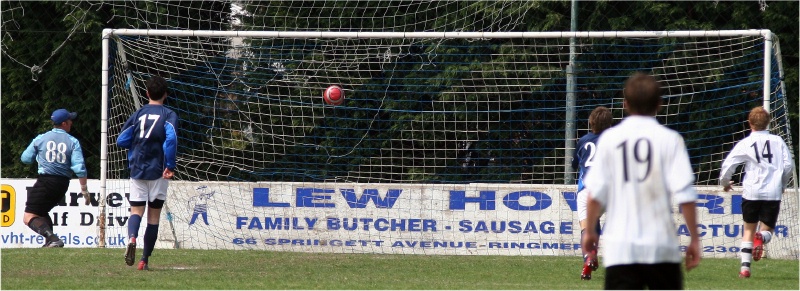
x=150, y=135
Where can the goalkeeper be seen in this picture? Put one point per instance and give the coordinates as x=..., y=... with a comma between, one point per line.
x=768, y=167
x=599, y=120
x=150, y=135
x=59, y=155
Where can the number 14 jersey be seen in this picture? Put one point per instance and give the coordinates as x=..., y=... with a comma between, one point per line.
x=768, y=166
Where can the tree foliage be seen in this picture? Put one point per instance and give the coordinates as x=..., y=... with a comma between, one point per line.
x=63, y=39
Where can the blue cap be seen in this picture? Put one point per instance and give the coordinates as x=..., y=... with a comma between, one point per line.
x=62, y=115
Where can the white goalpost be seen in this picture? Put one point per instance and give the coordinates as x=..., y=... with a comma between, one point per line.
x=448, y=143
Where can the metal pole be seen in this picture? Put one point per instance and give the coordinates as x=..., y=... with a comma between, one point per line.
x=569, y=136
x=101, y=217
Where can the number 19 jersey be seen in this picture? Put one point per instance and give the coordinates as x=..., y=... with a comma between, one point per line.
x=150, y=135
x=640, y=169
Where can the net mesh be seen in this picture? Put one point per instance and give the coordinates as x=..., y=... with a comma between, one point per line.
x=447, y=114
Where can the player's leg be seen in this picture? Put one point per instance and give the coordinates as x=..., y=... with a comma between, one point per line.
x=43, y=197
x=157, y=197
x=750, y=217
x=586, y=267
x=768, y=216
x=151, y=232
x=138, y=201
x=624, y=277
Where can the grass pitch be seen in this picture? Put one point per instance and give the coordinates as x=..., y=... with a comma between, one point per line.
x=225, y=269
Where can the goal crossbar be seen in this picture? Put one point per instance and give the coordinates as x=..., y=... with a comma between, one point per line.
x=453, y=34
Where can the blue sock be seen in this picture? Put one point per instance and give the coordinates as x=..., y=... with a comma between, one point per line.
x=133, y=225
x=150, y=235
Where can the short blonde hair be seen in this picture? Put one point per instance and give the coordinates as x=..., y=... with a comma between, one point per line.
x=758, y=118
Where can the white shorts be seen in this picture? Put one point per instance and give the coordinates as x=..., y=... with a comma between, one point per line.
x=582, y=197
x=148, y=190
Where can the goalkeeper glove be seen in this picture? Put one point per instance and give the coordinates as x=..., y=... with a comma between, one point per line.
x=85, y=191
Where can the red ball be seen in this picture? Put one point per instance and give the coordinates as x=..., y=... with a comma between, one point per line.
x=333, y=95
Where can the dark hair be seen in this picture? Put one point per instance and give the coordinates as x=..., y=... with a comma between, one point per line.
x=600, y=119
x=156, y=87
x=642, y=93
x=758, y=118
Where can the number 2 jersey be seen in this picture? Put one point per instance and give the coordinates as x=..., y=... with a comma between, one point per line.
x=150, y=135
x=641, y=168
x=584, y=153
x=768, y=166
x=56, y=153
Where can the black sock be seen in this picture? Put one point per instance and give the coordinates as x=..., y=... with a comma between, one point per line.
x=150, y=235
x=43, y=226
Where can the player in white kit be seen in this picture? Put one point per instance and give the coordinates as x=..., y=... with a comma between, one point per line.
x=641, y=168
x=768, y=168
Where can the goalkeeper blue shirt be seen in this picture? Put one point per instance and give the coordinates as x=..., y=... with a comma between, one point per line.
x=150, y=135
x=56, y=153
x=584, y=154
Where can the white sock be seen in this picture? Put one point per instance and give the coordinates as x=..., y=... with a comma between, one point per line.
x=746, y=256
x=766, y=236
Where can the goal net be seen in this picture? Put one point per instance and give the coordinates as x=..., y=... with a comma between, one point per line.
x=446, y=143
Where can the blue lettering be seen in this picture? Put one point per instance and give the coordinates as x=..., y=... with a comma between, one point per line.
x=307, y=196
x=459, y=199
x=530, y=227
x=542, y=200
x=255, y=223
x=261, y=199
x=566, y=227
x=713, y=203
x=514, y=226
x=333, y=223
x=734, y=232
x=736, y=204
x=781, y=230
x=371, y=194
x=550, y=246
x=572, y=200
x=548, y=227
x=683, y=230
x=240, y=221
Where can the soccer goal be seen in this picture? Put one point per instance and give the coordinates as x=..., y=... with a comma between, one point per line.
x=445, y=143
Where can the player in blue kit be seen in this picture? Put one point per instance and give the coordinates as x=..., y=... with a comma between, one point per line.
x=150, y=135
x=599, y=120
x=58, y=155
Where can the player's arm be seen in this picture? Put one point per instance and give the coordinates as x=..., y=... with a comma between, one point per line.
x=30, y=152
x=788, y=165
x=170, y=145
x=689, y=211
x=680, y=182
x=125, y=139
x=78, y=166
x=734, y=158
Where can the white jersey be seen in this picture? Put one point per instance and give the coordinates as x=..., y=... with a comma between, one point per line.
x=644, y=167
x=768, y=166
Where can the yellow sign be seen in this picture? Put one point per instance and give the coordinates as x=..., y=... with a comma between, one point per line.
x=8, y=203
